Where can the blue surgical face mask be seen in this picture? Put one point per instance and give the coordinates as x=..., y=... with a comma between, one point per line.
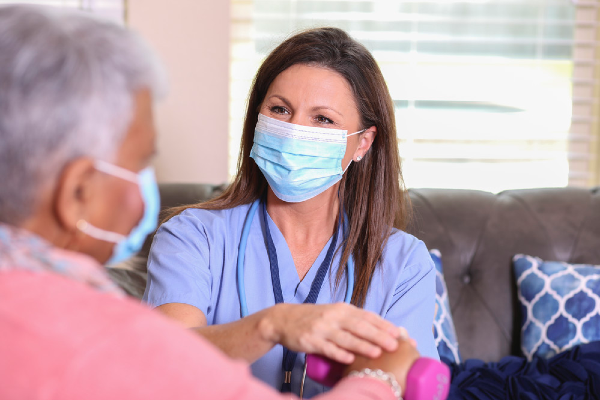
x=127, y=246
x=299, y=162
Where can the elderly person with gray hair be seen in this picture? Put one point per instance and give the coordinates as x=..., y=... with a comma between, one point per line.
x=76, y=140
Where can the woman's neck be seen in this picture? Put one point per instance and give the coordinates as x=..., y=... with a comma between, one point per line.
x=306, y=226
x=302, y=222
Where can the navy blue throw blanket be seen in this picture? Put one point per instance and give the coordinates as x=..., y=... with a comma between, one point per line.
x=571, y=375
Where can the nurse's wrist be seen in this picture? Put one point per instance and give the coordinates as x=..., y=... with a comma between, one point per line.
x=268, y=324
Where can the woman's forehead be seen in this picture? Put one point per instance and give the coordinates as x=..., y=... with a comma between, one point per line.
x=313, y=86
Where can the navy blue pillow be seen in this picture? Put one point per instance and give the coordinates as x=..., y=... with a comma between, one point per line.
x=443, y=326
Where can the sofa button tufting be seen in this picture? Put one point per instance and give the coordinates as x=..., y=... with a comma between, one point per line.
x=466, y=279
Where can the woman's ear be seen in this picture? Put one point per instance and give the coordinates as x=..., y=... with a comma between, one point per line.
x=365, y=141
x=73, y=194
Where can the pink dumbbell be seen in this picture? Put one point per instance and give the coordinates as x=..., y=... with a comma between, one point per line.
x=428, y=379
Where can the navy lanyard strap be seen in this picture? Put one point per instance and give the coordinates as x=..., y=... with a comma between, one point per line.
x=289, y=357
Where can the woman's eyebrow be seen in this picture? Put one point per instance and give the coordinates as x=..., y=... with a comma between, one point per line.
x=327, y=108
x=286, y=101
x=314, y=109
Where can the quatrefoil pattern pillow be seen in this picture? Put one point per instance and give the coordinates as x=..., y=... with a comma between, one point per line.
x=443, y=326
x=560, y=305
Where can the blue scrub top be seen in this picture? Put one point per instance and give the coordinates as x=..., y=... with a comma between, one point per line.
x=193, y=260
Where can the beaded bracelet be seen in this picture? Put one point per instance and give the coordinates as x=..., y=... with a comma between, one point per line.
x=382, y=376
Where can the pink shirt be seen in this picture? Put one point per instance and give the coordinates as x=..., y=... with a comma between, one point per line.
x=67, y=333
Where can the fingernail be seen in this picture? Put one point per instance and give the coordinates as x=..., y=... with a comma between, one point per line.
x=403, y=333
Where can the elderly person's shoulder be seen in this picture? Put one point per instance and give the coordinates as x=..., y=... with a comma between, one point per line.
x=73, y=340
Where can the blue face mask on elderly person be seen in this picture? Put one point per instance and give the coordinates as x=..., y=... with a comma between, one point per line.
x=127, y=246
x=299, y=162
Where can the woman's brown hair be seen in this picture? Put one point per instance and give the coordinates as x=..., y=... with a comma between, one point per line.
x=372, y=190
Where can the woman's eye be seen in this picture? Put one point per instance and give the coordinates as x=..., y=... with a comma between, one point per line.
x=279, y=110
x=323, y=120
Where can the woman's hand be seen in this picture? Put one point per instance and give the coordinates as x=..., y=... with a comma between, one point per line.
x=396, y=362
x=338, y=331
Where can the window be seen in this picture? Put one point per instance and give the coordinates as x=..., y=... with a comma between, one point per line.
x=110, y=9
x=490, y=95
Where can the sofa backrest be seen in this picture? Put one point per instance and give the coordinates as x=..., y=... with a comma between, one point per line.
x=477, y=234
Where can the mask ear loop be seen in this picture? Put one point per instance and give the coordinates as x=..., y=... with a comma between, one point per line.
x=351, y=134
x=356, y=133
x=98, y=233
x=117, y=171
x=91, y=230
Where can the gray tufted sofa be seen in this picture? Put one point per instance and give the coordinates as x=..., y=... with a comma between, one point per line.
x=477, y=234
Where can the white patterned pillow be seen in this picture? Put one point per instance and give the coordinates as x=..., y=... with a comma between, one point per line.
x=560, y=305
x=443, y=326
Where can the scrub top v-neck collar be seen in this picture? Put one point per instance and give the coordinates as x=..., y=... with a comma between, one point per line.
x=295, y=290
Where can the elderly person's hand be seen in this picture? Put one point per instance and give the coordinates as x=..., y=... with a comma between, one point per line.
x=397, y=362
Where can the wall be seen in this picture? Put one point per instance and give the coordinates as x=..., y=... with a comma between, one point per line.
x=192, y=39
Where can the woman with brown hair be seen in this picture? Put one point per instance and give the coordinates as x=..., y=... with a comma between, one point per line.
x=314, y=215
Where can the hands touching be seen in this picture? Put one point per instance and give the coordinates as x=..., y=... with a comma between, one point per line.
x=337, y=331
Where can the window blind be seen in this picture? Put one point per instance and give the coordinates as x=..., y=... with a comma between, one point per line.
x=114, y=10
x=490, y=95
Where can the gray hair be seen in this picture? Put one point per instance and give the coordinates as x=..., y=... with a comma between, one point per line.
x=67, y=86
